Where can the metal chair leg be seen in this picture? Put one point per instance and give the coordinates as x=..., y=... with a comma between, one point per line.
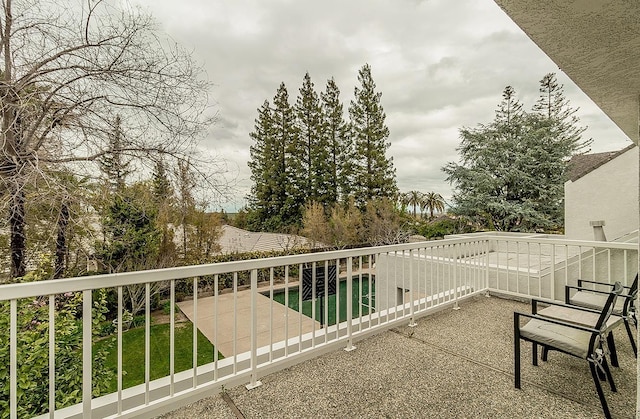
x=612, y=349
x=607, y=371
x=631, y=339
x=596, y=380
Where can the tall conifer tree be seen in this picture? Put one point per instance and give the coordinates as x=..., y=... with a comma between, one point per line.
x=338, y=142
x=287, y=197
x=310, y=147
x=374, y=174
x=264, y=166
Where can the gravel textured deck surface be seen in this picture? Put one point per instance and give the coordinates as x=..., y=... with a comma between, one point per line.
x=454, y=364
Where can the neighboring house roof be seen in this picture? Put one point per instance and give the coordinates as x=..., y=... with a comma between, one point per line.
x=583, y=164
x=237, y=240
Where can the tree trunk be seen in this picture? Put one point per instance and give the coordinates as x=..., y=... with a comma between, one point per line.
x=61, y=241
x=17, y=223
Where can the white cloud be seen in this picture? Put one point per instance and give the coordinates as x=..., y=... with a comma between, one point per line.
x=440, y=65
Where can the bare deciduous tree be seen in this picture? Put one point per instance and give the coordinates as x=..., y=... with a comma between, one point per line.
x=68, y=69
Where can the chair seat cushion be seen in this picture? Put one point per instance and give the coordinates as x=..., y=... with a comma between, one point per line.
x=595, y=301
x=567, y=339
x=576, y=316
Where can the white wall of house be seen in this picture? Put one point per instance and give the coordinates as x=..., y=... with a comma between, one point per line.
x=608, y=193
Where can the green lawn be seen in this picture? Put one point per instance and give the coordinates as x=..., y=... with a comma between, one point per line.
x=342, y=293
x=133, y=352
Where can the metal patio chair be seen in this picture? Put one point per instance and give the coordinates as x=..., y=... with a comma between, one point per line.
x=586, y=342
x=625, y=306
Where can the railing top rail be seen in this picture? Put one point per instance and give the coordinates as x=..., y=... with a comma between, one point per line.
x=565, y=242
x=59, y=286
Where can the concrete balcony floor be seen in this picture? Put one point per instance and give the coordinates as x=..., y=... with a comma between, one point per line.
x=454, y=364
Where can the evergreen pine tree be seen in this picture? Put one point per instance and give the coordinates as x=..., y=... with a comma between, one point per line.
x=309, y=147
x=511, y=171
x=374, y=174
x=264, y=166
x=162, y=190
x=288, y=196
x=338, y=142
x=510, y=107
x=114, y=164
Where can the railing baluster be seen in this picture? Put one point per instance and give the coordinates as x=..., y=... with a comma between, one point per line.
x=624, y=262
x=528, y=268
x=271, y=314
x=485, y=274
x=566, y=265
x=235, y=322
x=194, y=345
x=286, y=310
x=87, y=360
x=507, y=264
x=579, y=261
x=314, y=315
x=147, y=340
x=456, y=253
x=370, y=292
x=13, y=359
x=431, y=277
x=518, y=267
x=360, y=292
x=216, y=279
x=350, y=346
x=540, y=270
x=325, y=308
x=553, y=271
x=120, y=320
x=254, y=331
x=52, y=356
x=609, y=264
x=172, y=337
x=300, y=316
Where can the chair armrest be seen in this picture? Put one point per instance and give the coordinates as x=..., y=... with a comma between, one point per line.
x=518, y=314
x=572, y=287
x=606, y=284
x=535, y=301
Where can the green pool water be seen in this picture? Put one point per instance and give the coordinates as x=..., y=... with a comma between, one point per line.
x=361, y=301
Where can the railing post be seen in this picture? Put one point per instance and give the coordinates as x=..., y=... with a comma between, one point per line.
x=86, y=353
x=412, y=322
x=456, y=255
x=254, y=331
x=350, y=346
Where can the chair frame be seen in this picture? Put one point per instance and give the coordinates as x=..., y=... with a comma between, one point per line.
x=628, y=309
x=595, y=359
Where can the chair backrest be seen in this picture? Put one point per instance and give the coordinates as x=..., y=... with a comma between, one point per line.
x=630, y=303
x=607, y=309
x=633, y=290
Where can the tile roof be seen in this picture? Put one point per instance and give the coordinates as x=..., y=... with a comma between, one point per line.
x=583, y=164
x=237, y=240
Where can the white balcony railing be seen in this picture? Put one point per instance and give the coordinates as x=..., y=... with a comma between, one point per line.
x=235, y=304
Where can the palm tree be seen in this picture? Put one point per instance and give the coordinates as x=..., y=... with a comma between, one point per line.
x=432, y=201
x=414, y=198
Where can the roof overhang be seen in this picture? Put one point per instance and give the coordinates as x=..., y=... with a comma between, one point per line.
x=596, y=44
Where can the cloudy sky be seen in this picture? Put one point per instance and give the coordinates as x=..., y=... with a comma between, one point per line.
x=439, y=64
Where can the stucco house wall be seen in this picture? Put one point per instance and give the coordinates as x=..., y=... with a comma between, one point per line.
x=608, y=193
